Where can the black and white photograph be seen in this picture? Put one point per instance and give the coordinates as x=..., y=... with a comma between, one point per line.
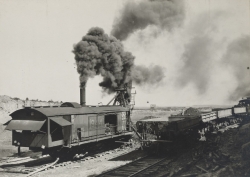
x=125, y=88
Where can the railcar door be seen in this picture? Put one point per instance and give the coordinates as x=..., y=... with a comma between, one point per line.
x=101, y=125
x=124, y=122
x=66, y=135
x=92, y=125
x=58, y=126
x=121, y=122
x=111, y=122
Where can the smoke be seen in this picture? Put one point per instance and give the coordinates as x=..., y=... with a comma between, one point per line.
x=212, y=54
x=151, y=76
x=199, y=56
x=197, y=63
x=164, y=14
x=237, y=58
x=100, y=54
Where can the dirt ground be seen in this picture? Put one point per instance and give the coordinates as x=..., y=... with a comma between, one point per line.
x=223, y=155
x=93, y=167
x=89, y=167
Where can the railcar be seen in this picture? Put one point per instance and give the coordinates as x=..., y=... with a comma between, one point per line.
x=243, y=108
x=65, y=126
x=223, y=113
x=191, y=121
x=58, y=129
x=239, y=111
x=169, y=128
x=208, y=116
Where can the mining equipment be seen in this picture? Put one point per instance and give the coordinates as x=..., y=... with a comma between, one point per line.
x=62, y=130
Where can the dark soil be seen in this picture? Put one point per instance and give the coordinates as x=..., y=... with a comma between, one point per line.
x=224, y=154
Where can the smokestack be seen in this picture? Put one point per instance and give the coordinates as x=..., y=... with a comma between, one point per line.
x=82, y=96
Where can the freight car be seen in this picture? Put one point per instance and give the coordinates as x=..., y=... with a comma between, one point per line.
x=171, y=127
x=243, y=108
x=60, y=130
x=191, y=122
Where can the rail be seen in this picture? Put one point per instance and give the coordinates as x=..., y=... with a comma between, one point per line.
x=144, y=169
x=135, y=168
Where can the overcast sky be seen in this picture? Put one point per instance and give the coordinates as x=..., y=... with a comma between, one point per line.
x=37, y=38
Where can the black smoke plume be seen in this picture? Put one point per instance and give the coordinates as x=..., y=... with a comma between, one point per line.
x=237, y=58
x=164, y=14
x=100, y=54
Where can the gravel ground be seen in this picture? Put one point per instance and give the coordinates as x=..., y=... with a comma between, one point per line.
x=85, y=167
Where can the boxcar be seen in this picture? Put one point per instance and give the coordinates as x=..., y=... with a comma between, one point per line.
x=68, y=125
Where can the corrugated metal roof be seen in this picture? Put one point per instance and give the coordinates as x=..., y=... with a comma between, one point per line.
x=61, y=121
x=25, y=125
x=60, y=111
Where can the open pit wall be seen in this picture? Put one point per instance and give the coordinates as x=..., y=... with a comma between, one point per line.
x=9, y=105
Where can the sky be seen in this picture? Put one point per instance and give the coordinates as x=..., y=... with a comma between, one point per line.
x=204, y=58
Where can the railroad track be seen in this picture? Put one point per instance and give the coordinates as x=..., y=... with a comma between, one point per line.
x=20, y=165
x=145, y=166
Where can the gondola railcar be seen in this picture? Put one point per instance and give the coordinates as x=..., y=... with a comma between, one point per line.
x=193, y=120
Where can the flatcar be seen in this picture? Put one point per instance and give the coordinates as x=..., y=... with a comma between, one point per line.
x=56, y=130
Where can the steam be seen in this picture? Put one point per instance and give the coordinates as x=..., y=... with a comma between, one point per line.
x=100, y=54
x=237, y=57
x=164, y=14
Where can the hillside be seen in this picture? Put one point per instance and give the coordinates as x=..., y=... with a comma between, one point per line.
x=9, y=105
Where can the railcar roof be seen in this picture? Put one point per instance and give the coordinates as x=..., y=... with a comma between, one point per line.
x=59, y=111
x=162, y=119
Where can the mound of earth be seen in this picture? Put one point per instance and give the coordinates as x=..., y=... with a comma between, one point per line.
x=226, y=154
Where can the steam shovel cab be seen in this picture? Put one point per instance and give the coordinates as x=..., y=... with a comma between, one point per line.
x=51, y=128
